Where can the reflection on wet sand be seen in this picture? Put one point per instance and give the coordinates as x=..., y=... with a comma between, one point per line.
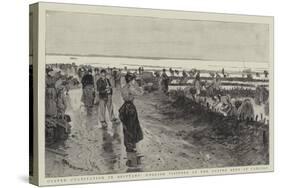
x=90, y=149
x=108, y=154
x=134, y=162
x=111, y=157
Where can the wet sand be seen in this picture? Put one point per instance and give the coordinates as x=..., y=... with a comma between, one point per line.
x=169, y=142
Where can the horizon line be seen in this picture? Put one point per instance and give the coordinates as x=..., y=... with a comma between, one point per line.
x=149, y=58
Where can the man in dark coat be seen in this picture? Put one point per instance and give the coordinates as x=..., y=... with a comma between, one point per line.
x=88, y=95
x=105, y=91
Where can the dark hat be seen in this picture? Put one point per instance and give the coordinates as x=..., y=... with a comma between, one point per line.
x=129, y=77
x=48, y=69
x=103, y=71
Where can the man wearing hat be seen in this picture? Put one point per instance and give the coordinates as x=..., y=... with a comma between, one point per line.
x=105, y=91
x=88, y=95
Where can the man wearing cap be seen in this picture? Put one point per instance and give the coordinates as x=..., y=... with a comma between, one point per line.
x=105, y=91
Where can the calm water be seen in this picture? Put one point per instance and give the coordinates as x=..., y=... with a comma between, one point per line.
x=157, y=64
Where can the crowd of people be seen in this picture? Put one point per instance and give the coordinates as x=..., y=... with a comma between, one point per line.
x=56, y=85
x=97, y=85
x=100, y=84
x=97, y=91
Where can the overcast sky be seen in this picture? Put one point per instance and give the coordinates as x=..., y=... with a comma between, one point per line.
x=128, y=36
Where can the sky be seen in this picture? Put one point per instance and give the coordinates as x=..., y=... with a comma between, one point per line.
x=156, y=38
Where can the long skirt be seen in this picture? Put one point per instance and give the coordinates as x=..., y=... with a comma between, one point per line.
x=164, y=85
x=51, y=102
x=88, y=96
x=131, y=126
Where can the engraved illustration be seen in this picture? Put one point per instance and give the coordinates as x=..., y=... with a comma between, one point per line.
x=141, y=94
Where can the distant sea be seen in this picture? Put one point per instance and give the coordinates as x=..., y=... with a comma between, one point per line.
x=154, y=64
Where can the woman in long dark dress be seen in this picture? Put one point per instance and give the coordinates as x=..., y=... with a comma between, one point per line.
x=128, y=114
x=51, y=94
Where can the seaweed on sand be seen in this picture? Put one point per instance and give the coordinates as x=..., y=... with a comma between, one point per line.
x=245, y=140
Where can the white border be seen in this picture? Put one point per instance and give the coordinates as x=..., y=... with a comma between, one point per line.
x=43, y=7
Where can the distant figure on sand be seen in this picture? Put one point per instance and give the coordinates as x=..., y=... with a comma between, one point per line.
x=197, y=83
x=128, y=114
x=164, y=81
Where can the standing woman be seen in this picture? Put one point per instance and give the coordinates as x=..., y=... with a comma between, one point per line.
x=51, y=94
x=128, y=113
x=165, y=81
x=197, y=83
